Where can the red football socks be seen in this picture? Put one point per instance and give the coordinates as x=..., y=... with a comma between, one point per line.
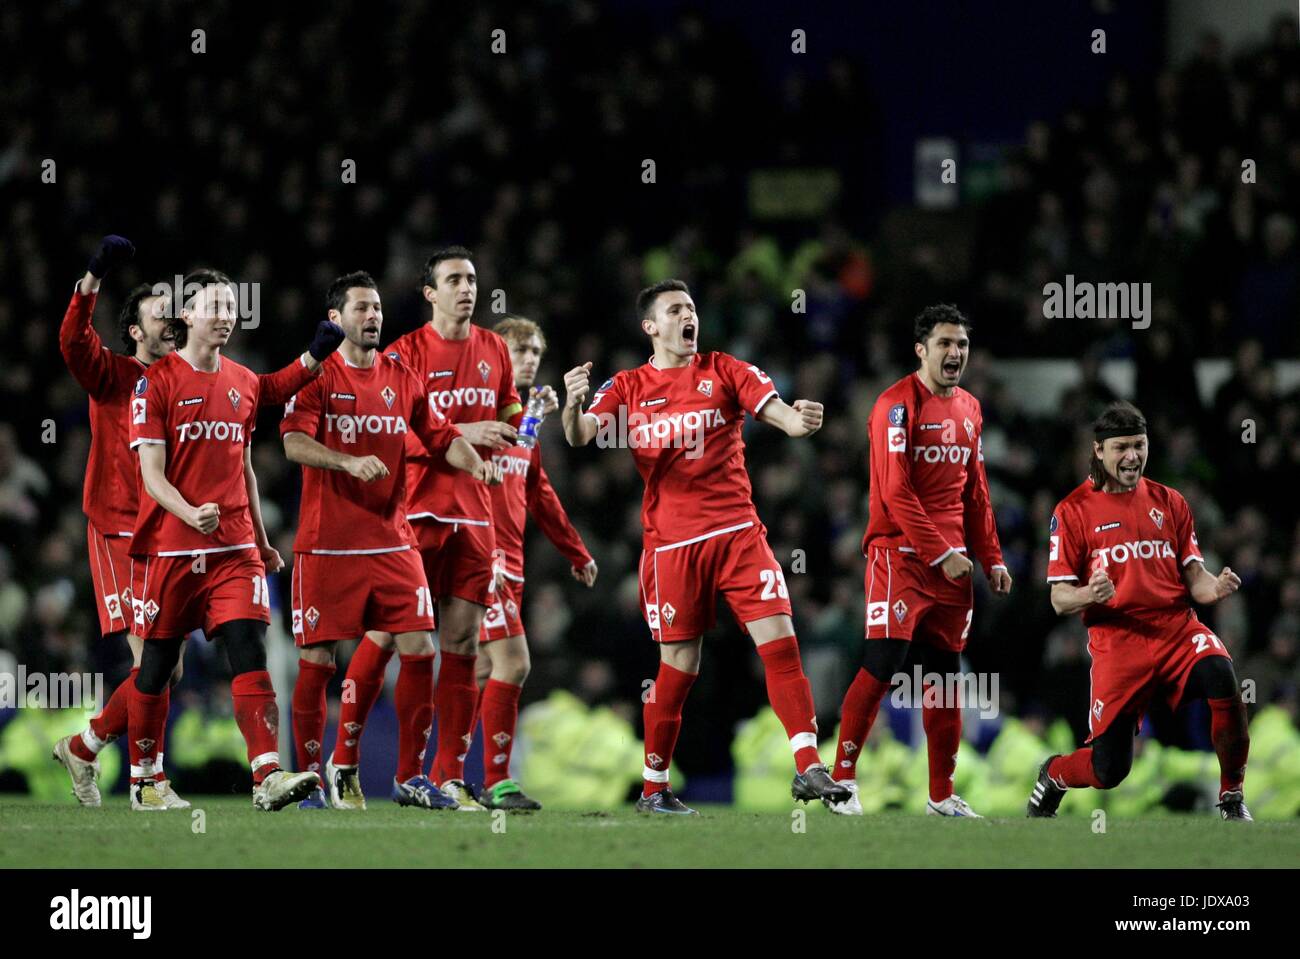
x=791, y=698
x=309, y=709
x=1231, y=738
x=108, y=724
x=663, y=721
x=258, y=719
x=361, y=687
x=1075, y=770
x=146, y=725
x=857, y=714
x=500, y=709
x=413, y=699
x=457, y=703
x=942, y=739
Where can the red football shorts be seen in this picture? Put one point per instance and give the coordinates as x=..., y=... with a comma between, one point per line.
x=457, y=559
x=172, y=596
x=340, y=597
x=680, y=582
x=908, y=600
x=110, y=575
x=505, y=617
x=1129, y=669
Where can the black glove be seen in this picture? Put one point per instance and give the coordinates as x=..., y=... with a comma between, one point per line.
x=328, y=337
x=113, y=250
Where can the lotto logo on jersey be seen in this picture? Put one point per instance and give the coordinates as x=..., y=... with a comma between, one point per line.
x=1135, y=549
x=896, y=441
x=138, y=411
x=877, y=613
x=652, y=615
x=297, y=622
x=219, y=430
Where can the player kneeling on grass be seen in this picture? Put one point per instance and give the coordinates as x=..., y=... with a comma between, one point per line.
x=355, y=566
x=1135, y=542
x=681, y=413
x=205, y=565
x=503, y=661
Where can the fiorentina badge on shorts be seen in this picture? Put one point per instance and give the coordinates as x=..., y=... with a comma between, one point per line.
x=484, y=369
x=313, y=616
x=900, y=610
x=1157, y=517
x=388, y=395
x=668, y=613
x=705, y=387
x=234, y=397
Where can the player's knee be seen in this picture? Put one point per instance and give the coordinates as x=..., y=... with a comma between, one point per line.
x=243, y=639
x=1111, y=767
x=157, y=661
x=515, y=670
x=882, y=658
x=1214, y=678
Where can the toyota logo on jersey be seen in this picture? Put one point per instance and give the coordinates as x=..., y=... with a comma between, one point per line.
x=1135, y=549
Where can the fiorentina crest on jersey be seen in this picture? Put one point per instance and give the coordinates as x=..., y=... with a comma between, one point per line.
x=970, y=429
x=484, y=369
x=234, y=397
x=1157, y=517
x=705, y=387
x=388, y=395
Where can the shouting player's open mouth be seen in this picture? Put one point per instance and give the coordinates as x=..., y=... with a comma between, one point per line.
x=369, y=331
x=951, y=368
x=688, y=334
x=1128, y=474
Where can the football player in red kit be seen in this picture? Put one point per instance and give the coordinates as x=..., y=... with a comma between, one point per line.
x=503, y=661
x=466, y=372
x=111, y=495
x=199, y=552
x=681, y=414
x=1123, y=552
x=355, y=565
x=929, y=501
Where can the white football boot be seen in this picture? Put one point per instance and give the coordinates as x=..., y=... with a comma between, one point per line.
x=465, y=801
x=84, y=773
x=954, y=806
x=281, y=788
x=851, y=806
x=170, y=799
x=344, y=786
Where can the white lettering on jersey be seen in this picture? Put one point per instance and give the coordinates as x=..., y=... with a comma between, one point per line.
x=350, y=424
x=513, y=465
x=1135, y=549
x=652, y=431
x=941, y=454
x=463, y=396
x=211, y=430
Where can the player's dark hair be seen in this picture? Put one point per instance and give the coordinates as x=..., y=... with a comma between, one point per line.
x=130, y=315
x=645, y=300
x=932, y=316
x=514, y=328
x=1120, y=418
x=195, y=282
x=430, y=277
x=336, y=297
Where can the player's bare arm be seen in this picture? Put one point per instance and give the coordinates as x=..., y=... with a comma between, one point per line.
x=1205, y=587
x=153, y=473
x=579, y=430
x=302, y=449
x=798, y=419
x=270, y=555
x=493, y=434
x=462, y=455
x=1067, y=599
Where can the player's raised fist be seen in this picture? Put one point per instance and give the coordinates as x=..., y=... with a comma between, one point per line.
x=490, y=433
x=1228, y=583
x=329, y=336
x=1102, y=588
x=810, y=416
x=367, y=468
x=206, y=518
x=577, y=384
x=113, y=251
x=956, y=565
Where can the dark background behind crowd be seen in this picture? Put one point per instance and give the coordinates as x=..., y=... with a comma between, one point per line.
x=775, y=172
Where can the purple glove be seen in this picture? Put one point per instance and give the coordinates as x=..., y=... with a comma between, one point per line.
x=113, y=250
x=328, y=337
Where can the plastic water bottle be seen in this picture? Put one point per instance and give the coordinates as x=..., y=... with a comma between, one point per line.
x=533, y=417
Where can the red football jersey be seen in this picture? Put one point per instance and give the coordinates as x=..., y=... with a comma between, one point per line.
x=526, y=489
x=929, y=493
x=361, y=412
x=468, y=381
x=683, y=426
x=111, y=489
x=205, y=421
x=1143, y=539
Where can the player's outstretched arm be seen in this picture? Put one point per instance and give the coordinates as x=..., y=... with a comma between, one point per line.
x=1067, y=599
x=113, y=251
x=1205, y=587
x=153, y=473
x=579, y=429
x=301, y=448
x=797, y=419
x=463, y=456
x=92, y=365
x=270, y=555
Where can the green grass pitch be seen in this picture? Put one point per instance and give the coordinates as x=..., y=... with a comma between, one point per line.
x=233, y=834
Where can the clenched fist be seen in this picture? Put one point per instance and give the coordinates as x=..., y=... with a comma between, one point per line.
x=577, y=384
x=1101, y=586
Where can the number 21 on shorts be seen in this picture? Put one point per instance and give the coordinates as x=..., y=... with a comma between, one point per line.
x=1203, y=641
